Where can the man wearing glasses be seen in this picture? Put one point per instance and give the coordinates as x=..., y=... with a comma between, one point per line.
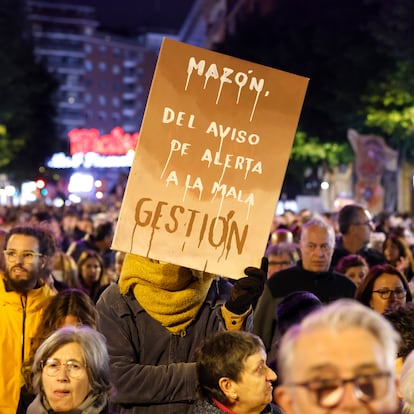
x=355, y=225
x=339, y=359
x=22, y=299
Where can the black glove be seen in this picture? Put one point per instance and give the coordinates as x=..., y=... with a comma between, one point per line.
x=246, y=291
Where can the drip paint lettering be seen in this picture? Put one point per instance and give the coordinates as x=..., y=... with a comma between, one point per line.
x=237, y=162
x=227, y=76
x=232, y=192
x=234, y=134
x=217, y=231
x=180, y=119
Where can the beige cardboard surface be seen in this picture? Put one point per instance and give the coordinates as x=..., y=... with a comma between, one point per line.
x=213, y=150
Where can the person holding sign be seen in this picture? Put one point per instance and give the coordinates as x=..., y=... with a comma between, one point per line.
x=155, y=318
x=200, y=195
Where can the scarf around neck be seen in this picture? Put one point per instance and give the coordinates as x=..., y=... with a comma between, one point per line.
x=170, y=294
x=93, y=404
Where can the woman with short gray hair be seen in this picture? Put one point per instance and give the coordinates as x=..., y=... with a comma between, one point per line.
x=233, y=376
x=71, y=372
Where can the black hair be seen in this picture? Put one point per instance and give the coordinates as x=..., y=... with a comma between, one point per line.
x=347, y=215
x=47, y=243
x=294, y=307
x=103, y=230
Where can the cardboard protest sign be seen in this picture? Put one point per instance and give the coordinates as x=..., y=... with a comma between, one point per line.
x=214, y=146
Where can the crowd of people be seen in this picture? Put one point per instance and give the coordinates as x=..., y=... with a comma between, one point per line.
x=326, y=324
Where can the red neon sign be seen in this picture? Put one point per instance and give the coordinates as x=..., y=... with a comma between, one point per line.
x=117, y=142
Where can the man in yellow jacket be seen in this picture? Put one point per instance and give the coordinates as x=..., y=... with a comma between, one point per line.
x=23, y=296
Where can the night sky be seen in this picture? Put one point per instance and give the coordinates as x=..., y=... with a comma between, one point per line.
x=140, y=15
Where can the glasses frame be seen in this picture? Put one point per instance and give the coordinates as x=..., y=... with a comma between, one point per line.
x=30, y=255
x=359, y=394
x=386, y=293
x=68, y=365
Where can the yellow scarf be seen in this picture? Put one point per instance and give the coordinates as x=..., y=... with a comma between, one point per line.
x=170, y=294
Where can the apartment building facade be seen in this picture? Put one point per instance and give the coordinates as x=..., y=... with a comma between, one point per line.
x=103, y=79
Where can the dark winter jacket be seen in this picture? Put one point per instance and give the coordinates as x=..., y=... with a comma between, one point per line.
x=372, y=256
x=153, y=371
x=327, y=286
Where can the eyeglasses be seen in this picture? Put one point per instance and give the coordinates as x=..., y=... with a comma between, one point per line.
x=52, y=367
x=329, y=392
x=386, y=293
x=28, y=255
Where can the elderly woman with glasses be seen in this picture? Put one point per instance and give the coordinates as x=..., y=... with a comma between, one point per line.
x=71, y=373
x=384, y=287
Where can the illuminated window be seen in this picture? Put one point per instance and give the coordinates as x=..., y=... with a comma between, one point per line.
x=88, y=65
